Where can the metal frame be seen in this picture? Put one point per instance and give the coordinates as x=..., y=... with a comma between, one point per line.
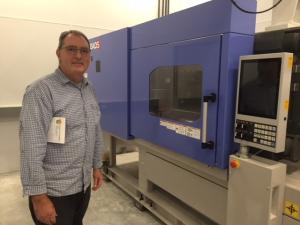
x=179, y=190
x=176, y=189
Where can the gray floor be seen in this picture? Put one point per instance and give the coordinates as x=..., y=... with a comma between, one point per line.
x=108, y=206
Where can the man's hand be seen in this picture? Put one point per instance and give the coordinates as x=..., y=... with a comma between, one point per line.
x=44, y=209
x=98, y=179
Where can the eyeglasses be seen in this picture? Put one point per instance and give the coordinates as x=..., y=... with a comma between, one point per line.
x=72, y=50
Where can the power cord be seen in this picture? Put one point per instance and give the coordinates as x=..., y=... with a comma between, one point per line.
x=257, y=12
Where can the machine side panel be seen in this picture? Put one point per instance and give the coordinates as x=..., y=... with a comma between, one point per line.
x=255, y=192
x=109, y=74
x=204, y=52
x=233, y=46
x=197, y=192
x=210, y=18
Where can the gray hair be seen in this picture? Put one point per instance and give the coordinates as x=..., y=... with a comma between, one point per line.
x=64, y=34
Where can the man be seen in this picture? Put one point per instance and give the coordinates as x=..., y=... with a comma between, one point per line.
x=61, y=139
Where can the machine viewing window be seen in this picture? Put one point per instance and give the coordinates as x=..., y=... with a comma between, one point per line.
x=259, y=86
x=175, y=92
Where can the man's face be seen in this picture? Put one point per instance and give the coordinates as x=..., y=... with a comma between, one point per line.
x=74, y=57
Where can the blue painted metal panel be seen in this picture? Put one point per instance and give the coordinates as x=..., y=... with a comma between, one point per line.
x=111, y=83
x=233, y=46
x=210, y=18
x=202, y=51
x=213, y=35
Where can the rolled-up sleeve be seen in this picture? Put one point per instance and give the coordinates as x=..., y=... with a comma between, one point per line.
x=36, y=115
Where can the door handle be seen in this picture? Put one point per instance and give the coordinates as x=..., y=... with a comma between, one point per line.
x=208, y=98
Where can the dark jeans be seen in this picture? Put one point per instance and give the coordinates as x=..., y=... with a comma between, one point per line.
x=70, y=209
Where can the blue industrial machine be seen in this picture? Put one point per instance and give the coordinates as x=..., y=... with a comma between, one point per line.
x=109, y=72
x=172, y=81
x=168, y=89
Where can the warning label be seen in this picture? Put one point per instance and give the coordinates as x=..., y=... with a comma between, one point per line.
x=291, y=209
x=182, y=129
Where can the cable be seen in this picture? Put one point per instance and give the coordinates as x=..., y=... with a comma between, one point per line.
x=256, y=153
x=257, y=12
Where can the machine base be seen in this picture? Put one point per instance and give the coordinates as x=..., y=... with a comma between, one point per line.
x=176, y=189
x=157, y=175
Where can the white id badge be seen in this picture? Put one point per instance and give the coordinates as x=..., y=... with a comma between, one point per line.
x=57, y=129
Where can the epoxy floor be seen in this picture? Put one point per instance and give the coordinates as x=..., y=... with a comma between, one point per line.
x=108, y=206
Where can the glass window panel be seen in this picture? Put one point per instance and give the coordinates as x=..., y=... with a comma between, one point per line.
x=176, y=92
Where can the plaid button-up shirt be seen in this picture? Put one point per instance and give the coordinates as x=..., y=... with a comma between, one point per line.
x=59, y=169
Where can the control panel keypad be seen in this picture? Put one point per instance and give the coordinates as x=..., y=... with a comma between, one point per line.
x=256, y=132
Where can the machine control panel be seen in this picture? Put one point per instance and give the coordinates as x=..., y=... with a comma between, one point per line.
x=256, y=132
x=262, y=100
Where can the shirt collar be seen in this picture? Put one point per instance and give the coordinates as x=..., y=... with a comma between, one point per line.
x=64, y=79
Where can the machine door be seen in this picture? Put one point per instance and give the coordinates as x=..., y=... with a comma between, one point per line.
x=174, y=93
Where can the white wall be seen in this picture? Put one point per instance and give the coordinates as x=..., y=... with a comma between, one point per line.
x=102, y=14
x=263, y=20
x=176, y=5
x=29, y=37
x=28, y=53
x=30, y=30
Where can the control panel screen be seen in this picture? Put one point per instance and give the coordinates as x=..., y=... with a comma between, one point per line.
x=259, y=87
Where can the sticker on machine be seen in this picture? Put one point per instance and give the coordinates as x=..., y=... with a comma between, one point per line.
x=188, y=131
x=291, y=209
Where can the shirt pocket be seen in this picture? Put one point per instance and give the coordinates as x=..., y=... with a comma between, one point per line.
x=74, y=117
